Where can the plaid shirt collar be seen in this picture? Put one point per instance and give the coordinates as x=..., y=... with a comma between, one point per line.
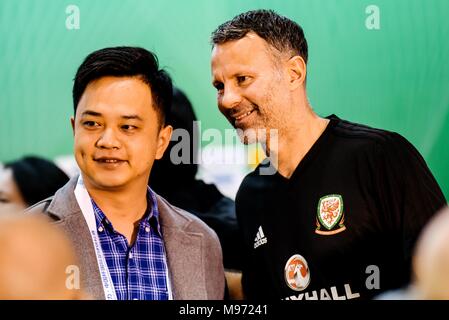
x=150, y=218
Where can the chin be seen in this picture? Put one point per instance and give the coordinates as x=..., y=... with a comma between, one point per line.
x=108, y=182
x=251, y=135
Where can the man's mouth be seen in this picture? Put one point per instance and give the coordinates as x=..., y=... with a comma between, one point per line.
x=108, y=160
x=240, y=116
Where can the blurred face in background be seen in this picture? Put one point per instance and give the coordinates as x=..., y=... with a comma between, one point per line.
x=10, y=195
x=35, y=259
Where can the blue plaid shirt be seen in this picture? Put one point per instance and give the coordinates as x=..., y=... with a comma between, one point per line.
x=138, y=272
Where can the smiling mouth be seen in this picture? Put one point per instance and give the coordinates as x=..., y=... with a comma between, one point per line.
x=107, y=160
x=239, y=117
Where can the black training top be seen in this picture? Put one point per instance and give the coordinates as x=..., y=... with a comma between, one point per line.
x=345, y=223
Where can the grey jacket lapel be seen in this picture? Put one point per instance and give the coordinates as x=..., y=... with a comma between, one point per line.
x=66, y=208
x=187, y=273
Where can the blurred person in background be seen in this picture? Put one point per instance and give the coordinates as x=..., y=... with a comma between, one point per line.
x=37, y=261
x=28, y=180
x=431, y=259
x=430, y=279
x=177, y=183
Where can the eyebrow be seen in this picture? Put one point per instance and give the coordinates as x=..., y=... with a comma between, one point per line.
x=98, y=114
x=131, y=117
x=91, y=113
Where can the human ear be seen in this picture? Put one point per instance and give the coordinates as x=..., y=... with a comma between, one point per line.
x=72, y=121
x=163, y=140
x=297, y=70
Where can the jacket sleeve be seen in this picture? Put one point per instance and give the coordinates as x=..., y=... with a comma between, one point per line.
x=215, y=281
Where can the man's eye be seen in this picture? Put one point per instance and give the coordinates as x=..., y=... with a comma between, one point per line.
x=90, y=124
x=128, y=127
x=241, y=79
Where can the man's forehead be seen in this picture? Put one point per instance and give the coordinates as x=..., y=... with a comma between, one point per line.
x=115, y=95
x=250, y=42
x=5, y=174
x=242, y=53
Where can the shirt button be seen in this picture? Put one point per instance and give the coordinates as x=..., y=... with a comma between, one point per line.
x=147, y=229
x=100, y=229
x=135, y=299
x=130, y=255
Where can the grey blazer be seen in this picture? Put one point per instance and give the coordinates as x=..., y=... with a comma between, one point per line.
x=193, y=250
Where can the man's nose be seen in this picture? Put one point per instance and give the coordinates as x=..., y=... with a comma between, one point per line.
x=108, y=140
x=230, y=98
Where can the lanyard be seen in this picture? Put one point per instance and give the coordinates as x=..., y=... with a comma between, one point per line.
x=83, y=199
x=85, y=204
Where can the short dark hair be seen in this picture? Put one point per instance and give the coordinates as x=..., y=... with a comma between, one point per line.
x=126, y=62
x=280, y=32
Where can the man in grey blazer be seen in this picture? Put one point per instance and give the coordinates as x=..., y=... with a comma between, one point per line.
x=131, y=243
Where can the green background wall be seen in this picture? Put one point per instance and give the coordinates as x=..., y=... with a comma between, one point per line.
x=395, y=78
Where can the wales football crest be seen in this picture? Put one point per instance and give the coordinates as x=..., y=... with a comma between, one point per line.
x=330, y=215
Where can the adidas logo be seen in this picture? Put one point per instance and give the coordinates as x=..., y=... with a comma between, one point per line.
x=260, y=238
